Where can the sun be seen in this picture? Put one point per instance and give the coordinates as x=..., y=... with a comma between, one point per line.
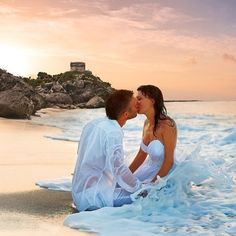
x=14, y=59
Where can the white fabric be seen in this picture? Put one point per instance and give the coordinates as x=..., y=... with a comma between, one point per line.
x=59, y=184
x=100, y=166
x=152, y=164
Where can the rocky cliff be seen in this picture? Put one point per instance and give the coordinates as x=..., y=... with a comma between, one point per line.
x=22, y=97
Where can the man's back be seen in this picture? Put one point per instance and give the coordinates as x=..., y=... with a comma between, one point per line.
x=93, y=181
x=101, y=176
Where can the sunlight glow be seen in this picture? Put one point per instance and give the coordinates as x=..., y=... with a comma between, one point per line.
x=14, y=59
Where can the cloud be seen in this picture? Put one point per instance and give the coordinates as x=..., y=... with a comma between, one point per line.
x=57, y=12
x=168, y=14
x=192, y=61
x=229, y=57
x=149, y=15
x=125, y=32
x=9, y=11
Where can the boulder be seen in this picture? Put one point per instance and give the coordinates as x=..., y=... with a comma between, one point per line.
x=17, y=98
x=58, y=98
x=95, y=102
x=14, y=104
x=57, y=88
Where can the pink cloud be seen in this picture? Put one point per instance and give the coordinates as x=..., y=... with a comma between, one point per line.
x=192, y=61
x=229, y=57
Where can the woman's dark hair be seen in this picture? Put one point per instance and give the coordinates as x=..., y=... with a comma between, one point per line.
x=117, y=103
x=155, y=93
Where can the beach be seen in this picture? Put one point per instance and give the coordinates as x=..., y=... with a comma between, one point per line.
x=197, y=202
x=27, y=156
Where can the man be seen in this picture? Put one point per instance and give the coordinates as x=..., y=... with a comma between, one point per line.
x=101, y=178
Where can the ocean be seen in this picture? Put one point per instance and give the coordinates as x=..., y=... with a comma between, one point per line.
x=197, y=198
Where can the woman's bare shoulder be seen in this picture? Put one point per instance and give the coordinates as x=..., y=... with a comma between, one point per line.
x=169, y=122
x=145, y=122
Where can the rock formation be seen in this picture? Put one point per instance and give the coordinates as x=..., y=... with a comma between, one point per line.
x=22, y=97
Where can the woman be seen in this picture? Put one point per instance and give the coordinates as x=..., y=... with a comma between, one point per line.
x=156, y=154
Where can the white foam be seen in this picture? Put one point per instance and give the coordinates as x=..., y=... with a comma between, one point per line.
x=59, y=184
x=183, y=203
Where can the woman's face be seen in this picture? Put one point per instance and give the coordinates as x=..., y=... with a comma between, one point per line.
x=144, y=103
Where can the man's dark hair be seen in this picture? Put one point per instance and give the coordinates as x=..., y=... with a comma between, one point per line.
x=117, y=103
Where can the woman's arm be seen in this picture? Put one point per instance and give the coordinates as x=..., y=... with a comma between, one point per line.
x=140, y=156
x=169, y=140
x=138, y=160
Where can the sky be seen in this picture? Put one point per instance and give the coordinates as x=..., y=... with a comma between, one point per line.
x=185, y=47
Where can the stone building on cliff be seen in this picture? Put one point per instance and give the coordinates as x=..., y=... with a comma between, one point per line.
x=77, y=66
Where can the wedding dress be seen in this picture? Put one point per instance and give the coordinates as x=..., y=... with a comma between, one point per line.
x=152, y=164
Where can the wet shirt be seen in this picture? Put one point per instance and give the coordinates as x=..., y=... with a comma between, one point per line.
x=100, y=166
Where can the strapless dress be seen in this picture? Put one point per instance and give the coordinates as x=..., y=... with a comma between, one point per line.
x=152, y=164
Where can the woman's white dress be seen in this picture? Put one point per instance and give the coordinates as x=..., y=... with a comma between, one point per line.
x=152, y=164
x=146, y=172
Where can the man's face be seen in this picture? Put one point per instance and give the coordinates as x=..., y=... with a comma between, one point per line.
x=133, y=108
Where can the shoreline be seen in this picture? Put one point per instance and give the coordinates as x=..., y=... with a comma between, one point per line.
x=182, y=100
x=27, y=157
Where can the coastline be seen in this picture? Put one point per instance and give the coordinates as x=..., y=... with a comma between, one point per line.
x=182, y=100
x=27, y=157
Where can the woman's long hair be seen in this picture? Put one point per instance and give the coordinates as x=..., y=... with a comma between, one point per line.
x=155, y=93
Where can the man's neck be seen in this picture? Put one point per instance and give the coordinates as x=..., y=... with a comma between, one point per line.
x=121, y=121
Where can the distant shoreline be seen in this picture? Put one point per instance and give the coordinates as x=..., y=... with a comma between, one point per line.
x=196, y=100
x=182, y=100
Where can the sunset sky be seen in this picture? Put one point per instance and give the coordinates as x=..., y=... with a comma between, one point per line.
x=185, y=47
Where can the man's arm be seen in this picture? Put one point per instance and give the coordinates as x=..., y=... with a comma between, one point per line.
x=138, y=160
x=123, y=175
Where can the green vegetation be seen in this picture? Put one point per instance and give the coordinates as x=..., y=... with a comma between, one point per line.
x=43, y=78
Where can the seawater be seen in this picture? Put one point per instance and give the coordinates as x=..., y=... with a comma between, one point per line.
x=197, y=198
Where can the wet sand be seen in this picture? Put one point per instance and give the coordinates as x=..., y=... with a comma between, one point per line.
x=26, y=156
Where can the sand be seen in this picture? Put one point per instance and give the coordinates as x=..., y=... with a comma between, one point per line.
x=26, y=156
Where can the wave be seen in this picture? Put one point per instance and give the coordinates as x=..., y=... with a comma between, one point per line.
x=176, y=205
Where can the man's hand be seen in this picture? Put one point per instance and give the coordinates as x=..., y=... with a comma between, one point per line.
x=143, y=193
